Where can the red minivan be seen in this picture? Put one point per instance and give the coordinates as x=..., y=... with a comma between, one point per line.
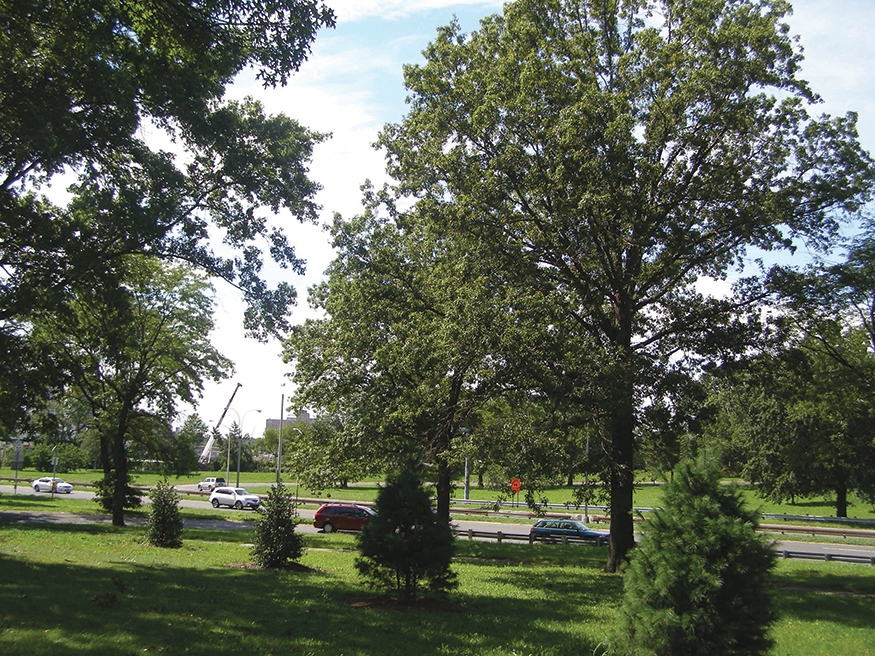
x=342, y=517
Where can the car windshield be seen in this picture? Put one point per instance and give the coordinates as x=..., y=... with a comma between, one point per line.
x=240, y=490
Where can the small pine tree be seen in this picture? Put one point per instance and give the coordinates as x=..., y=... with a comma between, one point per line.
x=276, y=543
x=164, y=524
x=697, y=584
x=406, y=543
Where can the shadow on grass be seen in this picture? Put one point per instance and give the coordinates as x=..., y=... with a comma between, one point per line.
x=24, y=501
x=127, y=608
x=847, y=609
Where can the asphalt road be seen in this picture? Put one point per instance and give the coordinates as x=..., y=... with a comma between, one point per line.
x=241, y=519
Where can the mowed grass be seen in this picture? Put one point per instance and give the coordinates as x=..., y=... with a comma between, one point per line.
x=101, y=590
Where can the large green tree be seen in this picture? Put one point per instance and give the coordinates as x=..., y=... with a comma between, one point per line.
x=406, y=351
x=89, y=91
x=131, y=357
x=610, y=154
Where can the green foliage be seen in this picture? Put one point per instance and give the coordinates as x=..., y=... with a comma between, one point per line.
x=604, y=157
x=131, y=356
x=70, y=458
x=802, y=416
x=321, y=455
x=276, y=543
x=164, y=524
x=111, y=487
x=406, y=544
x=80, y=81
x=698, y=583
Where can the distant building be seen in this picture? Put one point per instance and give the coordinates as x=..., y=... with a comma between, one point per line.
x=303, y=419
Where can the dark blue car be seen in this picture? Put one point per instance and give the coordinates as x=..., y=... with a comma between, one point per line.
x=556, y=529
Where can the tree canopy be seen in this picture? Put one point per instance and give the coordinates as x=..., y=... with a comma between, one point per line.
x=406, y=350
x=609, y=155
x=123, y=102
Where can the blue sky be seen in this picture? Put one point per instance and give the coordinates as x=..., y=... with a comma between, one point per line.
x=352, y=85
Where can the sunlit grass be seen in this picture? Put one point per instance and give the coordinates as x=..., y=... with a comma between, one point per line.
x=101, y=590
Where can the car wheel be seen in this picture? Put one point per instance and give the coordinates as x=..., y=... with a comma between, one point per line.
x=36, y=488
x=215, y=503
x=239, y=505
x=328, y=528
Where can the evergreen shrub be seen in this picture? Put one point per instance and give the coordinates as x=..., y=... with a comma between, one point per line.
x=276, y=542
x=405, y=544
x=164, y=524
x=698, y=582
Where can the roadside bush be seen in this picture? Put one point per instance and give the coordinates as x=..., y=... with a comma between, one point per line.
x=698, y=582
x=276, y=542
x=164, y=524
x=406, y=543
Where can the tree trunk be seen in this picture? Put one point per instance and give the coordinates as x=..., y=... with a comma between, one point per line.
x=120, y=484
x=842, y=500
x=622, y=478
x=444, y=488
x=121, y=479
x=621, y=431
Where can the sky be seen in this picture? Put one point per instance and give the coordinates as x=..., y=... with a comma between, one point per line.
x=352, y=85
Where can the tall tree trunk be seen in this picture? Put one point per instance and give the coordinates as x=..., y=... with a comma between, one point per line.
x=444, y=487
x=621, y=432
x=841, y=500
x=120, y=484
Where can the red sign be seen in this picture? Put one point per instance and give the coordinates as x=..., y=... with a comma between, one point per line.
x=515, y=485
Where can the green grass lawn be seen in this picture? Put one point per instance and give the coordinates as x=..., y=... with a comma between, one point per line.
x=76, y=590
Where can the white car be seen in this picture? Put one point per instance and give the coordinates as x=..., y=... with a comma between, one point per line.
x=46, y=484
x=234, y=497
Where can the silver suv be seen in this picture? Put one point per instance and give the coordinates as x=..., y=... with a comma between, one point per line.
x=234, y=497
x=210, y=484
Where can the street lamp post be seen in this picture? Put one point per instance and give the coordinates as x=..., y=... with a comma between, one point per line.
x=279, y=442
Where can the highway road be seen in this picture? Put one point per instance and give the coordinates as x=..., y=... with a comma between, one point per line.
x=241, y=519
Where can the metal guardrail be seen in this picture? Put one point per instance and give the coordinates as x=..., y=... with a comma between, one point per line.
x=844, y=558
x=819, y=518
x=500, y=536
x=815, y=531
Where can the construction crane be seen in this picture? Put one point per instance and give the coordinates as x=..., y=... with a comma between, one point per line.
x=205, y=454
